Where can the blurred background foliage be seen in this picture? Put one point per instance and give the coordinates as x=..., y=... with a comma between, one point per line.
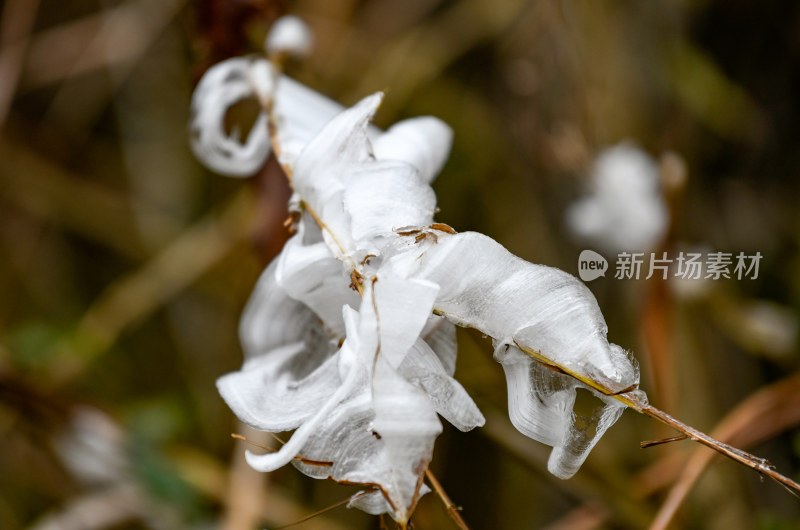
x=125, y=264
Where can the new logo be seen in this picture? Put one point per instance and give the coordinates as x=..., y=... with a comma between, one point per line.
x=591, y=265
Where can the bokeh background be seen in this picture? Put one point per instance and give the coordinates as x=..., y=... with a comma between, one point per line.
x=124, y=264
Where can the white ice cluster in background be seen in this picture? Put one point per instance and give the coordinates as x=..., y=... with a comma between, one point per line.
x=349, y=336
x=625, y=209
x=289, y=35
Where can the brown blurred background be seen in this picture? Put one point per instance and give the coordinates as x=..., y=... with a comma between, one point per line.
x=124, y=264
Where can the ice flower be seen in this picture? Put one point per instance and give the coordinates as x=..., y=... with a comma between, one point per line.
x=625, y=210
x=366, y=411
x=239, y=79
x=349, y=336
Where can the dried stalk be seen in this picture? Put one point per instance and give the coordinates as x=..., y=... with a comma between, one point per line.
x=245, y=489
x=760, y=465
x=452, y=510
x=763, y=415
x=652, y=443
x=636, y=400
x=760, y=417
x=318, y=513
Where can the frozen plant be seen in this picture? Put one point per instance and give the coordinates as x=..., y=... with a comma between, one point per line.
x=289, y=35
x=625, y=210
x=349, y=336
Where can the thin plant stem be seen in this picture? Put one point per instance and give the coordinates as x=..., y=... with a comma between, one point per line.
x=244, y=491
x=652, y=443
x=268, y=106
x=764, y=414
x=324, y=510
x=452, y=510
x=636, y=400
x=760, y=465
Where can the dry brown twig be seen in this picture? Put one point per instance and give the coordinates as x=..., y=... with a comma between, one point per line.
x=767, y=412
x=760, y=465
x=637, y=401
x=452, y=510
x=246, y=487
x=760, y=417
